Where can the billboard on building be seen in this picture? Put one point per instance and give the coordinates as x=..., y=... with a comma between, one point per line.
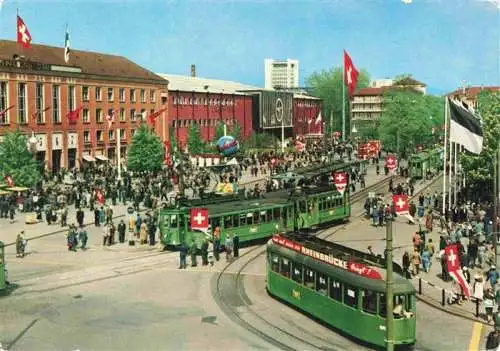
x=276, y=109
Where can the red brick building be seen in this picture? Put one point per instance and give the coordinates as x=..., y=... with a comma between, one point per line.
x=469, y=94
x=38, y=90
x=206, y=102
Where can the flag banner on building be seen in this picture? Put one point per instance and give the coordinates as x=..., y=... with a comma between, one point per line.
x=152, y=117
x=9, y=180
x=454, y=268
x=110, y=117
x=67, y=43
x=350, y=74
x=74, y=115
x=4, y=111
x=465, y=127
x=319, y=118
x=23, y=34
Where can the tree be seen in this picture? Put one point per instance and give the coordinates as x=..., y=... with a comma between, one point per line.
x=478, y=169
x=16, y=160
x=327, y=85
x=147, y=152
x=219, y=130
x=195, y=143
x=236, y=131
x=408, y=119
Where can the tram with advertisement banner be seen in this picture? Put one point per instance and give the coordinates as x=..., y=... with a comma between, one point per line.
x=339, y=286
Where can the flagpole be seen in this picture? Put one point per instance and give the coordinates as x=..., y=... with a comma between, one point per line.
x=343, y=102
x=119, y=153
x=446, y=116
x=450, y=162
x=456, y=180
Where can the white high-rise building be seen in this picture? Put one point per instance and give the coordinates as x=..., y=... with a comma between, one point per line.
x=281, y=73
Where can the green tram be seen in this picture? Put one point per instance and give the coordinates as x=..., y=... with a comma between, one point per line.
x=425, y=161
x=251, y=219
x=340, y=286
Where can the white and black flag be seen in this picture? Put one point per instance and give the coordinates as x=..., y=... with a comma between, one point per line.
x=465, y=127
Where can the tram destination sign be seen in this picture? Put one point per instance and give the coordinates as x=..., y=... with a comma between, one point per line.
x=351, y=266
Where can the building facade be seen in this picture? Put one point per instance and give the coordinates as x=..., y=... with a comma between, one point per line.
x=367, y=104
x=38, y=90
x=469, y=94
x=281, y=74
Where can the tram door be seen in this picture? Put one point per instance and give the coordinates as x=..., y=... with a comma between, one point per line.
x=2, y=267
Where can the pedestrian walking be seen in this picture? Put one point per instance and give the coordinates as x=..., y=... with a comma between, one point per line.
x=193, y=251
x=228, y=245
x=79, y=217
x=217, y=243
x=236, y=245
x=122, y=228
x=211, y=254
x=204, y=252
x=97, y=222
x=20, y=244
x=83, y=238
x=182, y=256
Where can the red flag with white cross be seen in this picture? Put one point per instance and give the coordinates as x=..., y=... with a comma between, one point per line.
x=454, y=268
x=340, y=180
x=23, y=34
x=350, y=74
x=391, y=162
x=401, y=206
x=199, y=219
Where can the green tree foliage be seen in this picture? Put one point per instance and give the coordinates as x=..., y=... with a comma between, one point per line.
x=147, y=152
x=219, y=130
x=195, y=143
x=408, y=118
x=236, y=131
x=17, y=161
x=327, y=85
x=173, y=140
x=479, y=168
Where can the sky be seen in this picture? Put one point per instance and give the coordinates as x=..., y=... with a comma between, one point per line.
x=443, y=43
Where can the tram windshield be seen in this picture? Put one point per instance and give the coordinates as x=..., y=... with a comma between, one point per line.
x=402, y=303
x=174, y=221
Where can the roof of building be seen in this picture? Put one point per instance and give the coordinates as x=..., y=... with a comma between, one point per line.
x=381, y=90
x=204, y=85
x=474, y=91
x=408, y=81
x=91, y=63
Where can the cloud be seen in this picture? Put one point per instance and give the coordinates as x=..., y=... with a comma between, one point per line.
x=496, y=3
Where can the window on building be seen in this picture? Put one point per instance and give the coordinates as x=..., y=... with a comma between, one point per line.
x=132, y=95
x=21, y=103
x=71, y=98
x=122, y=134
x=4, y=118
x=175, y=100
x=111, y=135
x=39, y=103
x=111, y=96
x=86, y=136
x=56, y=116
x=121, y=94
x=86, y=118
x=122, y=115
x=143, y=95
x=132, y=114
x=143, y=114
x=98, y=96
x=152, y=95
x=98, y=135
x=98, y=115
x=369, y=301
x=85, y=93
x=350, y=296
x=132, y=132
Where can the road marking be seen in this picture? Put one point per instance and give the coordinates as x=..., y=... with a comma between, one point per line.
x=476, y=337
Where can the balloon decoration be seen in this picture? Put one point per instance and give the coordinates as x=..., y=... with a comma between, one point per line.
x=227, y=146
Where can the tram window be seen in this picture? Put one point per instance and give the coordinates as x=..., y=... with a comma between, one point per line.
x=322, y=204
x=249, y=218
x=256, y=218
x=309, y=276
x=275, y=263
x=263, y=216
x=277, y=213
x=228, y=222
x=382, y=306
x=403, y=300
x=297, y=272
x=214, y=222
x=243, y=220
x=321, y=284
x=285, y=267
x=335, y=290
x=369, y=302
x=235, y=221
x=351, y=296
x=173, y=221
x=302, y=206
x=270, y=215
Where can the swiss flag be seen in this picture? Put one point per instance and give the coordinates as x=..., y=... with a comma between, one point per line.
x=454, y=268
x=391, y=162
x=152, y=117
x=9, y=180
x=110, y=117
x=199, y=219
x=74, y=115
x=23, y=34
x=350, y=74
x=400, y=203
x=340, y=179
x=100, y=197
